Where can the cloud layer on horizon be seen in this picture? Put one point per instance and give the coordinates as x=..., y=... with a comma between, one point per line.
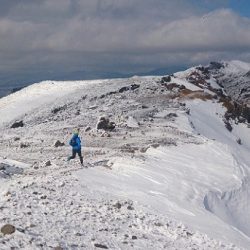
x=118, y=35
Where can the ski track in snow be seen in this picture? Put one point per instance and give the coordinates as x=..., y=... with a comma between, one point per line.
x=178, y=186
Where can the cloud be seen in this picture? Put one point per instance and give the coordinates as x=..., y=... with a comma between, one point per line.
x=221, y=30
x=118, y=35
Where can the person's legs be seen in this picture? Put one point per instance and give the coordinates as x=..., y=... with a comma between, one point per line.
x=80, y=156
x=73, y=155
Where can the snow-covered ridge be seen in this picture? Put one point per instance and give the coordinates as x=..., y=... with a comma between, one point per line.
x=169, y=176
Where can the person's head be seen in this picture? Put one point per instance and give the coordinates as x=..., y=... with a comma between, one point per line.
x=76, y=131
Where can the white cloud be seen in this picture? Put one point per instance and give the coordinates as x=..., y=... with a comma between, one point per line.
x=139, y=33
x=217, y=31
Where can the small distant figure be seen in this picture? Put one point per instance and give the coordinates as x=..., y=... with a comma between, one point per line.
x=75, y=143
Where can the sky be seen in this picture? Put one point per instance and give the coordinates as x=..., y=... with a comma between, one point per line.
x=57, y=37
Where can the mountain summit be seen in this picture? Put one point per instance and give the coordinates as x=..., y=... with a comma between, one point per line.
x=166, y=162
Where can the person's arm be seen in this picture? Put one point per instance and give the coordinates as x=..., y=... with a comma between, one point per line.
x=78, y=141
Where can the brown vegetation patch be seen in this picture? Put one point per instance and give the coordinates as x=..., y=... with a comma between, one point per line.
x=198, y=94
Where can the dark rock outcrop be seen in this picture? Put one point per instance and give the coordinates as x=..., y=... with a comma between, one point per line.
x=105, y=124
x=58, y=109
x=165, y=79
x=134, y=86
x=17, y=124
x=100, y=246
x=215, y=65
x=8, y=229
x=123, y=89
x=59, y=144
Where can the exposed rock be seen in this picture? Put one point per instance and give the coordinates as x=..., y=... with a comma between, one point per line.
x=158, y=224
x=134, y=237
x=3, y=166
x=134, y=86
x=107, y=94
x=236, y=110
x=100, y=246
x=144, y=149
x=24, y=145
x=59, y=144
x=87, y=129
x=58, y=109
x=203, y=69
x=8, y=229
x=174, y=86
x=241, y=119
x=118, y=205
x=21, y=230
x=239, y=141
x=182, y=87
x=47, y=163
x=215, y=65
x=165, y=79
x=78, y=112
x=129, y=149
x=247, y=74
x=219, y=92
x=130, y=207
x=171, y=115
x=105, y=124
x=188, y=233
x=111, y=93
x=17, y=124
x=155, y=145
x=197, y=79
x=127, y=88
x=123, y=89
x=228, y=125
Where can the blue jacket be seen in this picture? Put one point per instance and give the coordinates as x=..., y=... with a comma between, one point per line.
x=75, y=142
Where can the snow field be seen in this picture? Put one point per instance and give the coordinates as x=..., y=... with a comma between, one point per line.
x=166, y=164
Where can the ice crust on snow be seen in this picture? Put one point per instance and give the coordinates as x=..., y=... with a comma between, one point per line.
x=182, y=180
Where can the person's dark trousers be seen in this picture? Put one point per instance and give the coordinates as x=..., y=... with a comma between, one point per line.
x=74, y=152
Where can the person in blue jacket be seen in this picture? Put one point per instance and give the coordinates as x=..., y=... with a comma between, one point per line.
x=75, y=143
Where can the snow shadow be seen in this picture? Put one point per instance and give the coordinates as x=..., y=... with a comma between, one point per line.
x=233, y=207
x=7, y=170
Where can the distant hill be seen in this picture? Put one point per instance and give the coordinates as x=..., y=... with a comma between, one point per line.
x=10, y=82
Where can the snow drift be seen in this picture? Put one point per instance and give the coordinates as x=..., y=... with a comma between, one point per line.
x=172, y=173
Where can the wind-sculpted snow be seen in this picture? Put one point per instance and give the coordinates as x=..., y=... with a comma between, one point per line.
x=155, y=180
x=232, y=206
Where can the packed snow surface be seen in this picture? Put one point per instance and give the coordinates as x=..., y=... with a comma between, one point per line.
x=169, y=176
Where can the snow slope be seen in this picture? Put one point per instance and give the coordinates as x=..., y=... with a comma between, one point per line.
x=170, y=176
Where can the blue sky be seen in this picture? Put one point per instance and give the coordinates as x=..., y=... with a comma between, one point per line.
x=58, y=37
x=240, y=6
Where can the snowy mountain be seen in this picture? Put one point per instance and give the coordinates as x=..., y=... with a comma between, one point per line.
x=167, y=162
x=233, y=77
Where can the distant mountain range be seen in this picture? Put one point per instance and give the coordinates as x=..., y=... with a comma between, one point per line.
x=11, y=83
